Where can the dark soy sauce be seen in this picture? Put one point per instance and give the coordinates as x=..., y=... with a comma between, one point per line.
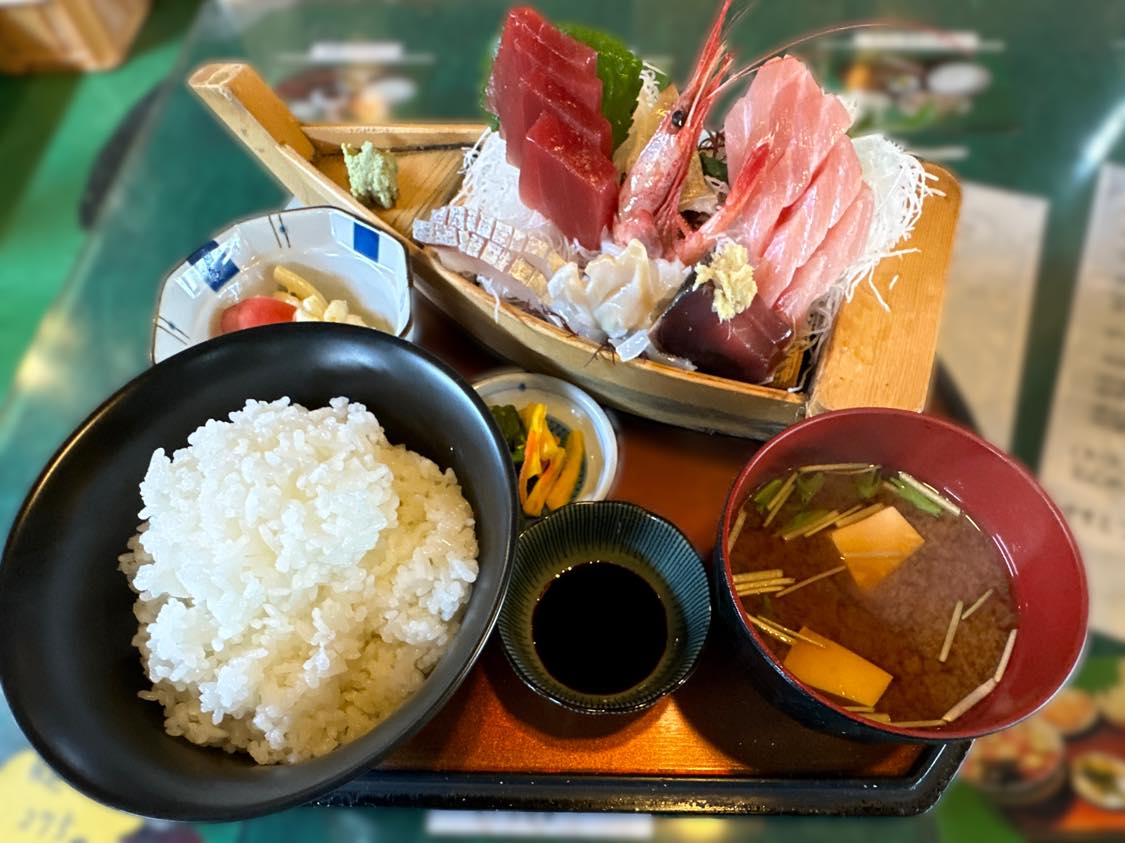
x=599, y=628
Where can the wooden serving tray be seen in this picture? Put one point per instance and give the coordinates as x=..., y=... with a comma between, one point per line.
x=873, y=358
x=715, y=745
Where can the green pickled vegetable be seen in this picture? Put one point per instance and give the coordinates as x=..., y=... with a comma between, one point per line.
x=512, y=429
x=620, y=71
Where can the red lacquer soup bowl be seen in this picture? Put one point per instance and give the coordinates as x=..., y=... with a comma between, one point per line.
x=1049, y=582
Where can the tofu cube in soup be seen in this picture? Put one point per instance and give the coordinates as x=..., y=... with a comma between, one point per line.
x=836, y=669
x=876, y=547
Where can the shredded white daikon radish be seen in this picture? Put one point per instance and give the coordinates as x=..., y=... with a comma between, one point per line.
x=650, y=88
x=899, y=184
x=492, y=186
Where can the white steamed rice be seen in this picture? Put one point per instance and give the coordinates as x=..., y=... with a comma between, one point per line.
x=298, y=576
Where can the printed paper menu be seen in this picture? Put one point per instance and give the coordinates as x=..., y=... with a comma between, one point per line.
x=1083, y=464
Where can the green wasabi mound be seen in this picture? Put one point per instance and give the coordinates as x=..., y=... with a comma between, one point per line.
x=372, y=175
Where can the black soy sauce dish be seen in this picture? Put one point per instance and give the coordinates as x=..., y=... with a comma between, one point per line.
x=607, y=609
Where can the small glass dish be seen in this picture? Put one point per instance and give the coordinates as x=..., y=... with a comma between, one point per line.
x=636, y=539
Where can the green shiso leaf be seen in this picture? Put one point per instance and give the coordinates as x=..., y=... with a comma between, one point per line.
x=487, y=60
x=713, y=167
x=620, y=71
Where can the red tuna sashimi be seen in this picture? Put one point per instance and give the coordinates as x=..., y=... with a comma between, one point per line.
x=842, y=247
x=528, y=43
x=804, y=132
x=748, y=347
x=510, y=72
x=569, y=181
x=527, y=54
x=804, y=225
x=524, y=19
x=751, y=119
x=539, y=94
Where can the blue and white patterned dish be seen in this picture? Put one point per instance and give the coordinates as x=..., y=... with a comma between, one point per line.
x=343, y=256
x=574, y=409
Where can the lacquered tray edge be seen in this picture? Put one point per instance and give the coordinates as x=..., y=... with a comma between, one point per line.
x=893, y=796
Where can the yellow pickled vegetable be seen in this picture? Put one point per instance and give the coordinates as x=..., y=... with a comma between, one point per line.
x=563, y=489
x=836, y=670
x=537, y=499
x=535, y=416
x=531, y=414
x=297, y=286
x=875, y=547
x=532, y=467
x=536, y=455
x=549, y=472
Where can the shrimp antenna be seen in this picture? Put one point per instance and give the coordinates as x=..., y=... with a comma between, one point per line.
x=808, y=36
x=737, y=17
x=832, y=30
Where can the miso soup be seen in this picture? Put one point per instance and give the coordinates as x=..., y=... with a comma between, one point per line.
x=876, y=589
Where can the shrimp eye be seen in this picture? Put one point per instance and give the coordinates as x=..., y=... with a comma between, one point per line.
x=678, y=118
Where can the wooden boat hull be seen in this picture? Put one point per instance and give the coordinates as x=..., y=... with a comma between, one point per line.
x=872, y=358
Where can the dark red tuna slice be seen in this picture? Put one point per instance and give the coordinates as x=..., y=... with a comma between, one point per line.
x=747, y=348
x=569, y=181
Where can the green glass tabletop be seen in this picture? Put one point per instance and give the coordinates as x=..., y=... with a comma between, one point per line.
x=1059, y=77
x=1052, y=116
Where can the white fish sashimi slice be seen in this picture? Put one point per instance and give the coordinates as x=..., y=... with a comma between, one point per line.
x=499, y=282
x=842, y=247
x=806, y=224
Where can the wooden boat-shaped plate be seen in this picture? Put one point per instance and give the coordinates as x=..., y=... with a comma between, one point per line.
x=872, y=358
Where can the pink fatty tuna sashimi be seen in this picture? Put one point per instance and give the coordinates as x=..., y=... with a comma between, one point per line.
x=802, y=125
x=529, y=44
x=804, y=225
x=569, y=181
x=842, y=247
x=751, y=119
x=747, y=347
x=541, y=94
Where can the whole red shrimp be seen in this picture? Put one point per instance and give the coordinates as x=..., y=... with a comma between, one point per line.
x=648, y=204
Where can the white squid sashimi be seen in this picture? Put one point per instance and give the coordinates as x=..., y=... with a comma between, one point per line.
x=618, y=298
